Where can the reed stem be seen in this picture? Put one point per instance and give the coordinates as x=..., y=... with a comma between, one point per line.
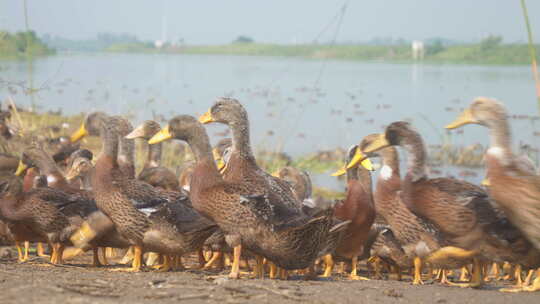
x=532, y=51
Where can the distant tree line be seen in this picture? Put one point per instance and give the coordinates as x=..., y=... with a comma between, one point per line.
x=102, y=42
x=22, y=44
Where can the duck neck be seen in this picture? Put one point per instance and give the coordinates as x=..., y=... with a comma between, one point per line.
x=205, y=173
x=126, y=156
x=109, y=139
x=500, y=141
x=416, y=154
x=28, y=180
x=107, y=160
x=241, y=141
x=390, y=165
x=86, y=181
x=153, y=159
x=364, y=178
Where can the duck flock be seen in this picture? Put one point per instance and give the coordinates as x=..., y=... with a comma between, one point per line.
x=224, y=207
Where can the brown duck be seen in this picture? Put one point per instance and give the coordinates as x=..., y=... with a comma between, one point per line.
x=447, y=241
x=242, y=167
x=516, y=191
x=148, y=218
x=357, y=208
x=251, y=218
x=40, y=211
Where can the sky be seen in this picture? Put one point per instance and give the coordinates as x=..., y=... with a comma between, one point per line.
x=278, y=21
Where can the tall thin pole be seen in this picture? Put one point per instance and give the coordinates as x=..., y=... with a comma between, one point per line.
x=532, y=51
x=29, y=57
x=26, y=16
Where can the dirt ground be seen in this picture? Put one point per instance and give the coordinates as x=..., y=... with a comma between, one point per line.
x=77, y=282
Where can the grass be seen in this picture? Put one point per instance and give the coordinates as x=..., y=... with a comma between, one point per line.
x=489, y=51
x=22, y=45
x=49, y=125
x=32, y=126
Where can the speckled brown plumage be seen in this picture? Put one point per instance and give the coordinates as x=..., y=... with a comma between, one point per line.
x=83, y=203
x=389, y=249
x=514, y=187
x=247, y=217
x=416, y=236
x=157, y=220
x=39, y=210
x=242, y=167
x=459, y=209
x=516, y=191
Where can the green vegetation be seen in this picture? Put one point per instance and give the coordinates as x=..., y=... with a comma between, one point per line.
x=113, y=42
x=22, y=44
x=472, y=54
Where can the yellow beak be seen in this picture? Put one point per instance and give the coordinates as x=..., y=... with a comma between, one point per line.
x=160, y=136
x=340, y=172
x=379, y=143
x=485, y=182
x=136, y=133
x=206, y=118
x=20, y=168
x=466, y=117
x=80, y=133
x=358, y=159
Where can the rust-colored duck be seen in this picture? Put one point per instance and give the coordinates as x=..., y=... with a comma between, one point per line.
x=459, y=211
x=358, y=208
x=516, y=191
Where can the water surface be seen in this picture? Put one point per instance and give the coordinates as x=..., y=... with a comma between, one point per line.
x=295, y=105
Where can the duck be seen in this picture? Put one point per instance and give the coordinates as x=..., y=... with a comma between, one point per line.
x=184, y=174
x=222, y=152
x=515, y=191
x=40, y=212
x=79, y=169
x=242, y=166
x=251, y=218
x=300, y=182
x=8, y=164
x=126, y=147
x=148, y=218
x=34, y=157
x=420, y=239
x=153, y=173
x=387, y=249
x=358, y=208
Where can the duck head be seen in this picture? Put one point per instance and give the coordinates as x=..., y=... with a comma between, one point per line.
x=399, y=133
x=482, y=111
x=355, y=158
x=90, y=126
x=228, y=111
x=146, y=130
x=182, y=127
